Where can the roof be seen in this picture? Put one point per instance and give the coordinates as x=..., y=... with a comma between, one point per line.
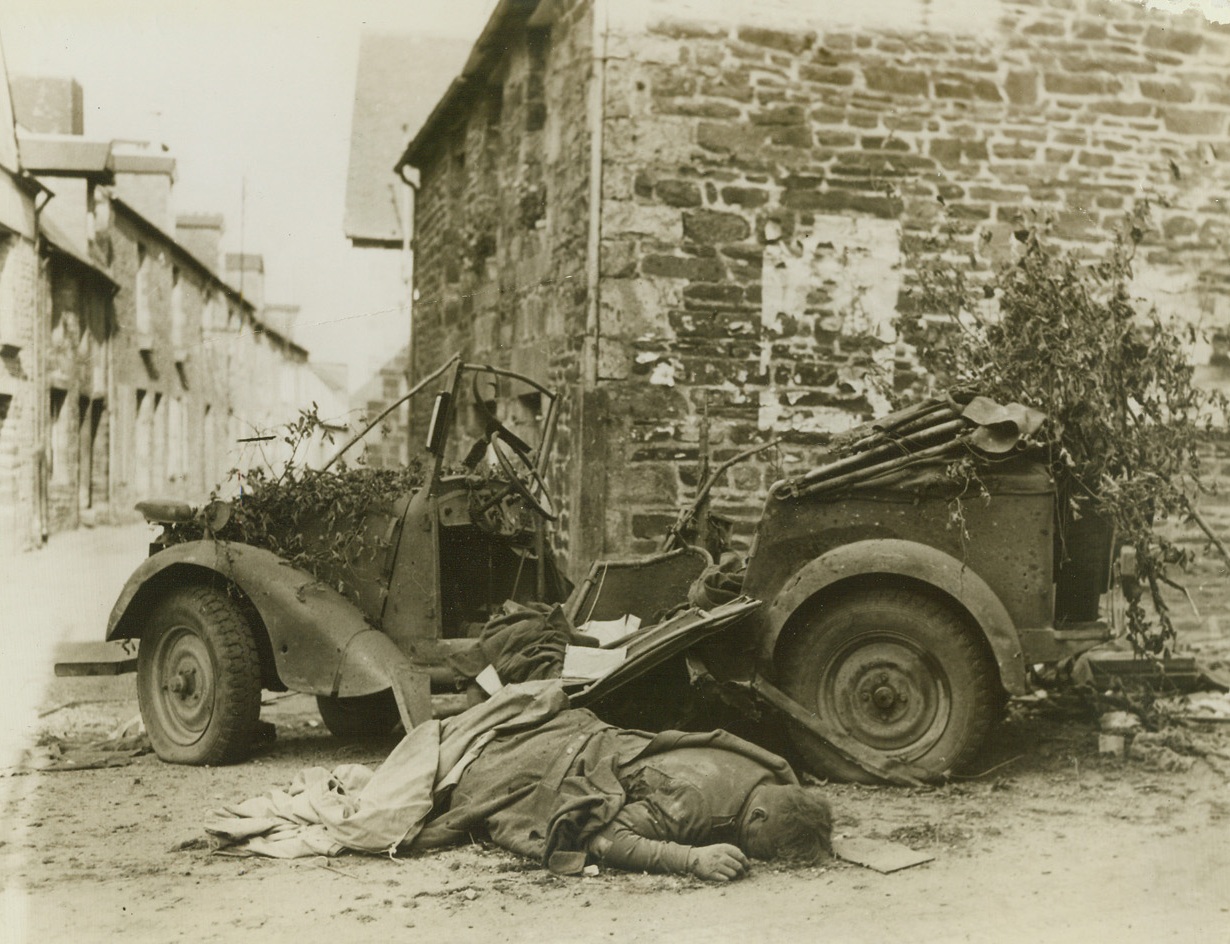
x=144, y=221
x=65, y=245
x=202, y=267
x=400, y=77
x=508, y=15
x=66, y=155
x=332, y=375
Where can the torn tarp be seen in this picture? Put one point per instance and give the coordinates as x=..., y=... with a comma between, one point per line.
x=324, y=812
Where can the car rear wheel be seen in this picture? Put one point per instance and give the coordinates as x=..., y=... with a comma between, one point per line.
x=362, y=716
x=897, y=671
x=199, y=678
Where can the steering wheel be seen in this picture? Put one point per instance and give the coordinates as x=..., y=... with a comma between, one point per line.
x=522, y=476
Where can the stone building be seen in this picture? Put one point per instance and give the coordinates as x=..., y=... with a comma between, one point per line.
x=132, y=367
x=692, y=215
x=388, y=447
x=77, y=326
x=20, y=194
x=399, y=78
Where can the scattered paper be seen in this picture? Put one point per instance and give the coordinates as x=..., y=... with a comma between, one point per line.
x=611, y=632
x=489, y=680
x=586, y=662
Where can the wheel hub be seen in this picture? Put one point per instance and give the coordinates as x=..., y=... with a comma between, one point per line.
x=887, y=692
x=885, y=697
x=184, y=683
x=184, y=698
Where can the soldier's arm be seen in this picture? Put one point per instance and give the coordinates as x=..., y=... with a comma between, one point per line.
x=640, y=841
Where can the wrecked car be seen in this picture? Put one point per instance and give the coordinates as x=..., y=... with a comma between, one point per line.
x=911, y=582
x=886, y=610
x=379, y=633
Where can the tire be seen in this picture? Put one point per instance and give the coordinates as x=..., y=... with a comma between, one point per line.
x=364, y=716
x=199, y=678
x=898, y=671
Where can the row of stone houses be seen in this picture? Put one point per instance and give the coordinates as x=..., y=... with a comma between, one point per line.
x=684, y=213
x=137, y=359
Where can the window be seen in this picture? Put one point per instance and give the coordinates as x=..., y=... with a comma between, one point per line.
x=84, y=453
x=6, y=401
x=177, y=437
x=144, y=319
x=12, y=332
x=538, y=42
x=91, y=463
x=142, y=440
x=57, y=452
x=177, y=314
x=215, y=314
x=158, y=442
x=495, y=104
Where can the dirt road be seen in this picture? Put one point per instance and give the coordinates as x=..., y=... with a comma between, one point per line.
x=1054, y=842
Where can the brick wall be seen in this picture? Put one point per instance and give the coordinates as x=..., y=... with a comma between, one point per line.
x=760, y=184
x=764, y=175
x=501, y=227
x=18, y=470
x=80, y=332
x=197, y=380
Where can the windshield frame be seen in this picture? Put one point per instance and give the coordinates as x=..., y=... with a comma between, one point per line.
x=452, y=386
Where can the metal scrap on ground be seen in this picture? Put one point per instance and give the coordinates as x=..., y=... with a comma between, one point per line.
x=883, y=855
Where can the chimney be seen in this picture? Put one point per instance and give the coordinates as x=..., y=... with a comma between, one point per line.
x=201, y=235
x=246, y=274
x=144, y=176
x=48, y=105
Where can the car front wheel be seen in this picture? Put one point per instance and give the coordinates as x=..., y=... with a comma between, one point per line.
x=198, y=678
x=897, y=671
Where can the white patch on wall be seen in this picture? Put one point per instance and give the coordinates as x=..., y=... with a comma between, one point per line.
x=1182, y=304
x=838, y=280
x=663, y=374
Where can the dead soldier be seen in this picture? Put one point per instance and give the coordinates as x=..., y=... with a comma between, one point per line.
x=555, y=784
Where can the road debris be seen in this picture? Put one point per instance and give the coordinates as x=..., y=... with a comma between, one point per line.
x=882, y=855
x=59, y=754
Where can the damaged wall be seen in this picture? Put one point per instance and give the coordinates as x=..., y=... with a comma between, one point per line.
x=764, y=172
x=766, y=169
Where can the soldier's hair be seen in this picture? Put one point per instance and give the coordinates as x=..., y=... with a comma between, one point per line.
x=802, y=824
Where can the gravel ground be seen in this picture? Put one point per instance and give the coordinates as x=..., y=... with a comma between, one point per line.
x=1050, y=842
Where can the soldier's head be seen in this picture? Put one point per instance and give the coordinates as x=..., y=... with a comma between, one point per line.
x=791, y=823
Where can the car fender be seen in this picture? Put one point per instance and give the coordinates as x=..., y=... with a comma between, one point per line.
x=319, y=641
x=891, y=557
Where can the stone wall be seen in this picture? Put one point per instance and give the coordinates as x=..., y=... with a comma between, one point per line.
x=389, y=447
x=765, y=176
x=761, y=185
x=501, y=227
x=18, y=469
x=80, y=332
x=187, y=388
